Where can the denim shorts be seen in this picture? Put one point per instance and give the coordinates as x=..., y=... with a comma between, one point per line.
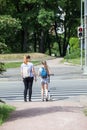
x=44, y=80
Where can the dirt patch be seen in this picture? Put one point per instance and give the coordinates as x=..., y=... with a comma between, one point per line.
x=19, y=57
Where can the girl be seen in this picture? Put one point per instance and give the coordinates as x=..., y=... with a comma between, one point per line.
x=44, y=73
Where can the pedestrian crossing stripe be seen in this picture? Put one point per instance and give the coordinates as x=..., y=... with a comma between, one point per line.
x=36, y=96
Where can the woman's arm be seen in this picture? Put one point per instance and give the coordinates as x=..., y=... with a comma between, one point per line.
x=39, y=72
x=21, y=71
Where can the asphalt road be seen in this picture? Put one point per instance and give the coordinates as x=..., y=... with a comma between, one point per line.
x=59, y=89
x=68, y=82
x=62, y=72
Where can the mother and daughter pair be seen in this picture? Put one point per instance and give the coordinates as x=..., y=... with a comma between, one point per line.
x=29, y=75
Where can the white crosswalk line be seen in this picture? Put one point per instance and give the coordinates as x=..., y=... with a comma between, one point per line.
x=14, y=92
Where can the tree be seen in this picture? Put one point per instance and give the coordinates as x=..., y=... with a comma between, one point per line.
x=8, y=29
x=71, y=20
x=45, y=20
x=35, y=24
x=25, y=11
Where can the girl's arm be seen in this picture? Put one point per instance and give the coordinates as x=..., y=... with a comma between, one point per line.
x=34, y=73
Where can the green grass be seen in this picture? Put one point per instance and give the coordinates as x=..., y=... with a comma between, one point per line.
x=18, y=64
x=5, y=111
x=85, y=112
x=15, y=60
x=76, y=61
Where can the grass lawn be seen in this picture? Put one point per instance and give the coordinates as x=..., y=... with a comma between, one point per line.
x=76, y=61
x=18, y=64
x=5, y=111
x=15, y=60
x=85, y=111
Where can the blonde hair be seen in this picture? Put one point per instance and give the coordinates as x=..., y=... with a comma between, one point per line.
x=44, y=62
x=45, y=65
x=26, y=57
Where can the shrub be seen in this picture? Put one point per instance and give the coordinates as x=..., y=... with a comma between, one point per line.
x=74, y=48
x=5, y=111
x=4, y=48
x=2, y=67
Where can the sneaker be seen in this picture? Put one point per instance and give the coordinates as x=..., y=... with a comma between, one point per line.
x=29, y=100
x=46, y=99
x=25, y=100
x=42, y=100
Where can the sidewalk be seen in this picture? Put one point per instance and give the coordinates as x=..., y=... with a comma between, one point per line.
x=58, y=115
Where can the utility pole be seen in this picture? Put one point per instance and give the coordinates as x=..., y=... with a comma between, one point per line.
x=81, y=39
x=85, y=37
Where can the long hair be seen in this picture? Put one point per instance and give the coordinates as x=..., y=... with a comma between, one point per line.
x=26, y=57
x=45, y=66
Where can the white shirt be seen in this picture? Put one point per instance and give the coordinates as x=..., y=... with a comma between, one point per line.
x=26, y=70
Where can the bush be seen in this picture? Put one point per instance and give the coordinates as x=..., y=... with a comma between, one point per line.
x=4, y=48
x=2, y=67
x=74, y=54
x=5, y=111
x=74, y=48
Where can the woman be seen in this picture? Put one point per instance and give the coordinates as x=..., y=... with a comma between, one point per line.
x=44, y=73
x=28, y=74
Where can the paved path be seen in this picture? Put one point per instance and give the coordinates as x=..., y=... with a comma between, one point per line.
x=60, y=115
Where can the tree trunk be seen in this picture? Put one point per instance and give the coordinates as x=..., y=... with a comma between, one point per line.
x=66, y=39
x=35, y=42
x=24, y=40
x=48, y=41
x=42, y=42
x=58, y=40
x=64, y=43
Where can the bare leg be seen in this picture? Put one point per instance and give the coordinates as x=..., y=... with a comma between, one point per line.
x=42, y=92
x=46, y=91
